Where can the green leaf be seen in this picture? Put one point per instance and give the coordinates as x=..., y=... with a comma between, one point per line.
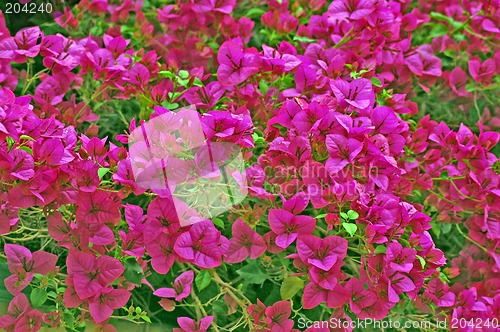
x=5, y=296
x=459, y=37
x=422, y=261
x=166, y=74
x=218, y=222
x=263, y=87
x=253, y=274
x=220, y=307
x=102, y=171
x=26, y=137
x=38, y=276
x=146, y=319
x=380, y=250
x=440, y=16
x=290, y=287
x=197, y=82
x=436, y=229
x=353, y=215
x=376, y=81
x=10, y=143
x=133, y=271
x=25, y=148
x=38, y=297
x=168, y=105
x=445, y=228
x=255, y=13
x=344, y=216
x=202, y=280
x=438, y=30
x=321, y=216
x=183, y=74
x=350, y=228
x=183, y=83
x=304, y=39
x=213, y=45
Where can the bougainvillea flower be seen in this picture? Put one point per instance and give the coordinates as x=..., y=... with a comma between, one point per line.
x=102, y=305
x=288, y=226
x=53, y=152
x=314, y=294
x=162, y=252
x=203, y=244
x=482, y=72
x=354, y=10
x=91, y=274
x=222, y=6
x=458, y=81
x=399, y=258
x=190, y=325
x=322, y=253
x=181, y=287
x=98, y=207
x=23, y=45
x=17, y=307
x=342, y=151
x=161, y=218
x=30, y=321
x=357, y=93
x=280, y=62
x=440, y=293
x=235, y=64
x=384, y=119
x=278, y=317
x=245, y=242
x=326, y=279
x=423, y=62
x=23, y=264
x=399, y=283
x=361, y=297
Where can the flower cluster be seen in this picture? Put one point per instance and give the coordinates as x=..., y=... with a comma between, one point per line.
x=367, y=129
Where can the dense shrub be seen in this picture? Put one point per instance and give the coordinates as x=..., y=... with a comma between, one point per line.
x=369, y=132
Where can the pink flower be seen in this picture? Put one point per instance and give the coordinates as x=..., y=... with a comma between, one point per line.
x=354, y=10
x=358, y=93
x=482, y=72
x=458, y=81
x=342, y=151
x=278, y=317
x=235, y=64
x=287, y=226
x=97, y=208
x=102, y=304
x=182, y=287
x=162, y=253
x=190, y=325
x=314, y=295
x=321, y=253
x=202, y=244
x=24, y=45
x=221, y=6
x=23, y=265
x=424, y=62
x=400, y=259
x=91, y=274
x=440, y=294
x=245, y=242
